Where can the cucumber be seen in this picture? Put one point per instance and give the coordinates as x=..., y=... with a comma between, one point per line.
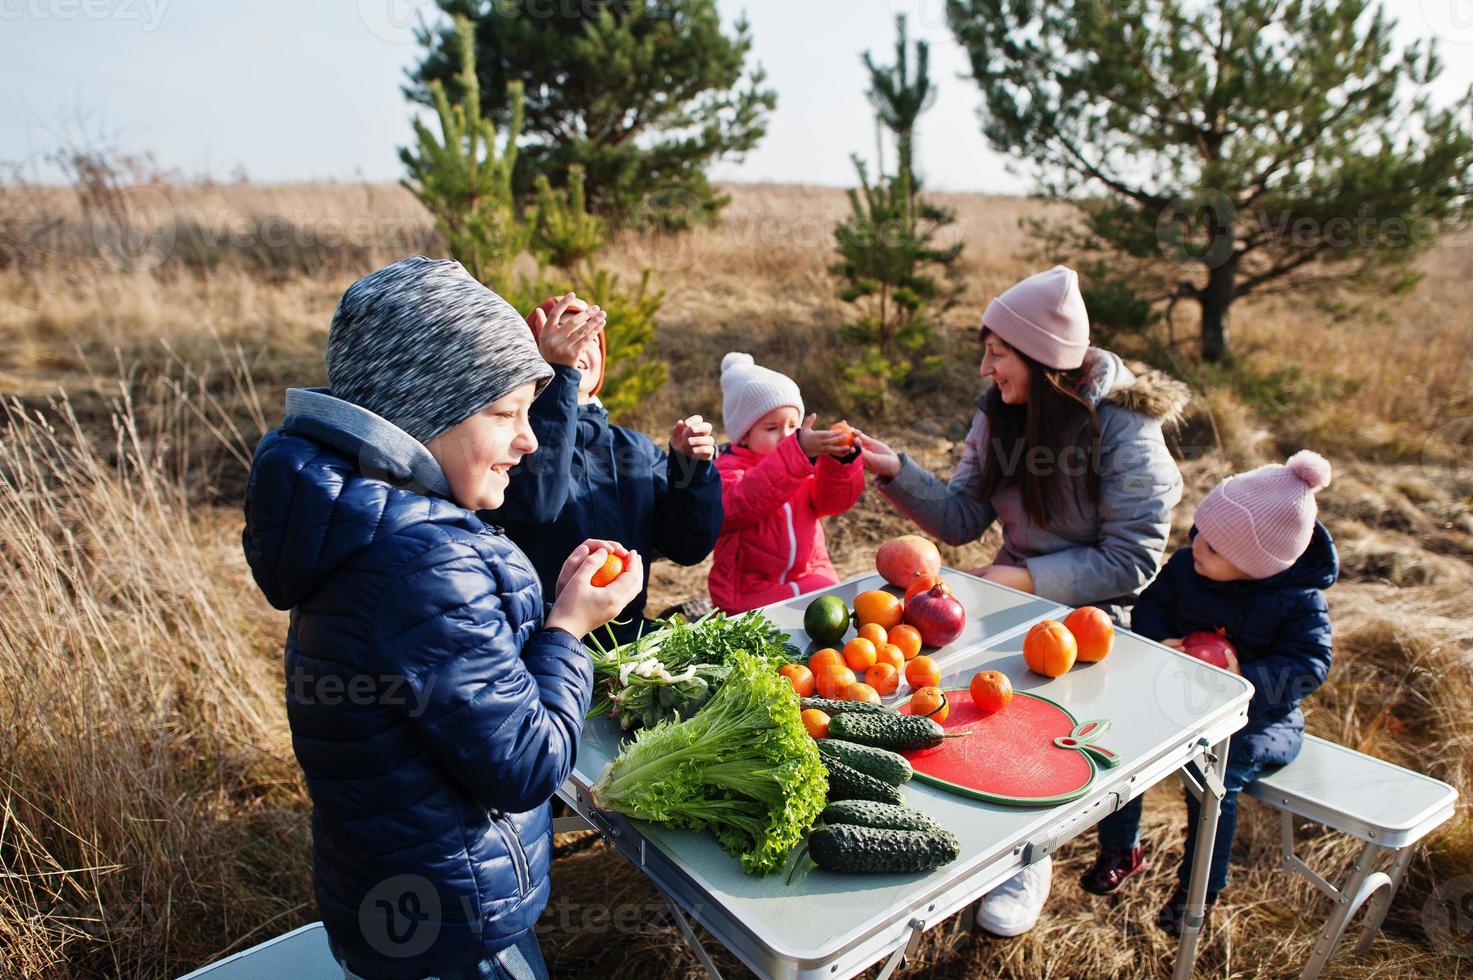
x=898, y=733
x=849, y=848
x=867, y=813
x=832, y=707
x=848, y=783
x=879, y=763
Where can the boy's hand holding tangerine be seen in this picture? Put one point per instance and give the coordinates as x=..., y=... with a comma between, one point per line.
x=562, y=333
x=836, y=442
x=693, y=438
x=581, y=606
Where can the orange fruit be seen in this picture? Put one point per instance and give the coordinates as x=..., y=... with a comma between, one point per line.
x=800, y=677
x=861, y=692
x=884, y=678
x=908, y=639
x=859, y=654
x=833, y=681
x=817, y=722
x=924, y=584
x=847, y=430
x=878, y=606
x=612, y=568
x=1094, y=634
x=891, y=654
x=931, y=702
x=823, y=658
x=875, y=633
x=991, y=691
x=922, y=672
x=1050, y=649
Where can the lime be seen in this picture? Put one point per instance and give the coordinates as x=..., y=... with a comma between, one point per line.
x=826, y=619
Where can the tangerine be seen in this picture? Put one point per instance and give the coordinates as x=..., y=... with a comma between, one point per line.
x=1050, y=649
x=1094, y=634
x=879, y=606
x=859, y=654
x=991, y=691
x=884, y=678
x=908, y=639
x=922, y=672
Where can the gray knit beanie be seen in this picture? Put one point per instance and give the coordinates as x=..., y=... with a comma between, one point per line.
x=423, y=345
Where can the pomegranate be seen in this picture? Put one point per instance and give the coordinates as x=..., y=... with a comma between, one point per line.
x=1210, y=647
x=938, y=615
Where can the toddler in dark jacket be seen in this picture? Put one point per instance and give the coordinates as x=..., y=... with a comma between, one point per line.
x=595, y=479
x=1256, y=570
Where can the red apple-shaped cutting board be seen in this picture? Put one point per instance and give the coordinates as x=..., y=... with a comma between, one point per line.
x=1031, y=753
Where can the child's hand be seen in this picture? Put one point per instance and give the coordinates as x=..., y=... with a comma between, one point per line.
x=822, y=442
x=693, y=437
x=1232, y=662
x=879, y=458
x=581, y=607
x=1175, y=643
x=560, y=335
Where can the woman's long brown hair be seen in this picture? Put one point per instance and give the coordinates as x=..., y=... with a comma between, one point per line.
x=1036, y=447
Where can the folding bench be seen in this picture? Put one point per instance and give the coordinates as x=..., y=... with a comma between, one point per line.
x=1386, y=806
x=301, y=954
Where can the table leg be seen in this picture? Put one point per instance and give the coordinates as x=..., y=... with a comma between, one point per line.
x=1377, y=913
x=1213, y=764
x=692, y=939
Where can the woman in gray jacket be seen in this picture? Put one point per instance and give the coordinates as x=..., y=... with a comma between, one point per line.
x=1066, y=451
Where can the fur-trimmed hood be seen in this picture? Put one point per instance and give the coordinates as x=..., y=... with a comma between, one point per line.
x=1107, y=380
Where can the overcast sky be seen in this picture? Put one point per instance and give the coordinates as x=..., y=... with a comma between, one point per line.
x=295, y=90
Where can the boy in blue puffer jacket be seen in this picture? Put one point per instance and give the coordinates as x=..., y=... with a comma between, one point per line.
x=435, y=702
x=594, y=479
x=1256, y=569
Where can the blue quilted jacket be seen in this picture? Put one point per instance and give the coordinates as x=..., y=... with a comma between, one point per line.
x=432, y=714
x=1280, y=625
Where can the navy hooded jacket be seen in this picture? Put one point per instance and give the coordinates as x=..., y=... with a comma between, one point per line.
x=591, y=479
x=431, y=713
x=1280, y=626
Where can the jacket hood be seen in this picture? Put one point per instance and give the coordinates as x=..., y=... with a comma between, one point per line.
x=331, y=481
x=1317, y=568
x=1107, y=381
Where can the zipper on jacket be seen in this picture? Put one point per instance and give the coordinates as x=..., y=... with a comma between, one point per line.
x=514, y=850
x=792, y=550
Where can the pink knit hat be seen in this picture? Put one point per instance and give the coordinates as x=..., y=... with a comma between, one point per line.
x=1044, y=317
x=1262, y=520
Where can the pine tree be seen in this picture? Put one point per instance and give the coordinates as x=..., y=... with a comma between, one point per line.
x=464, y=179
x=1215, y=150
x=643, y=94
x=888, y=249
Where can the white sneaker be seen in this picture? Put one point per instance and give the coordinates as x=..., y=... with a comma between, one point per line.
x=1013, y=907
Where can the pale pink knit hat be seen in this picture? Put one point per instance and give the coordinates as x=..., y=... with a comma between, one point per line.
x=1262, y=520
x=1044, y=317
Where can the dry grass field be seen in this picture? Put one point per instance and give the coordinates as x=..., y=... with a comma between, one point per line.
x=151, y=815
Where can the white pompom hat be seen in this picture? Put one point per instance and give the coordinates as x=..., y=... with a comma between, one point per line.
x=749, y=391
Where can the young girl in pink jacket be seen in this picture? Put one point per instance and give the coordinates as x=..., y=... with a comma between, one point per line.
x=779, y=476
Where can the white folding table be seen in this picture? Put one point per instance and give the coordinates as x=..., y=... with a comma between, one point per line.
x=1166, y=709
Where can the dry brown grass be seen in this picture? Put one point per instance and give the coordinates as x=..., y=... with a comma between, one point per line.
x=151, y=815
